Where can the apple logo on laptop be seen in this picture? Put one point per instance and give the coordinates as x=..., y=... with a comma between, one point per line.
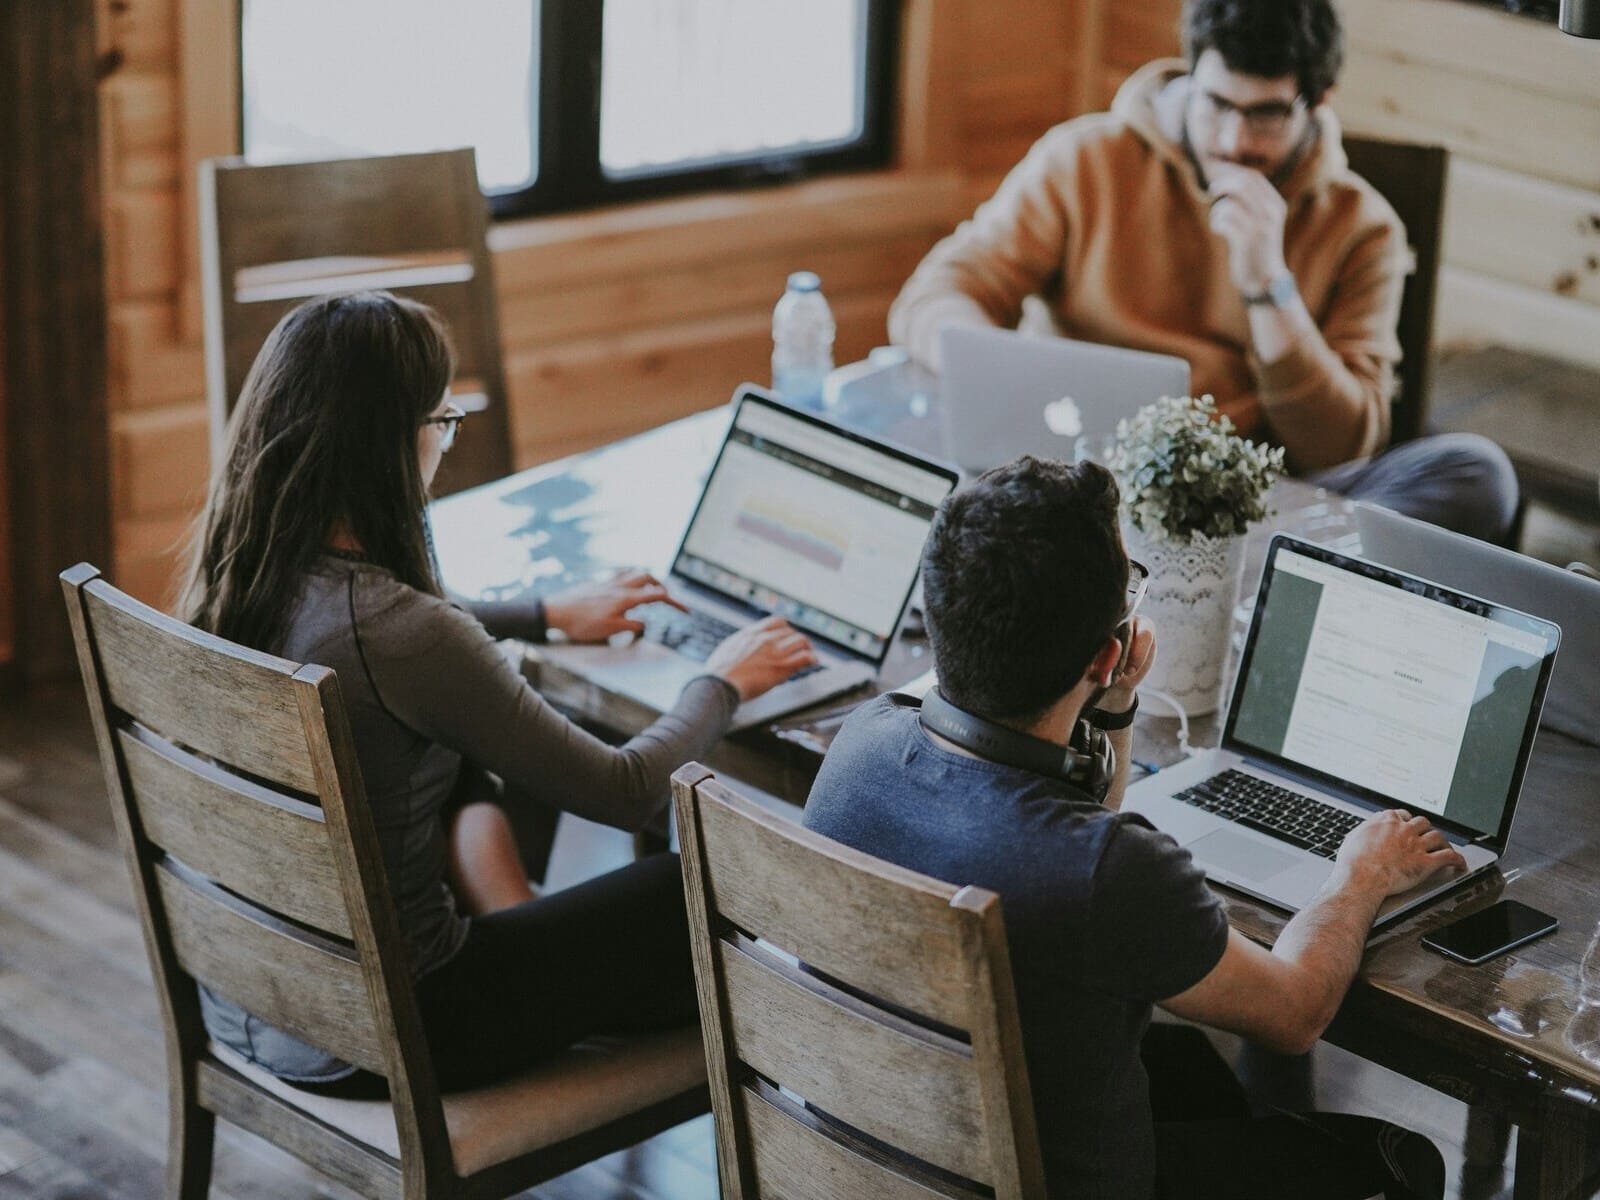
x=1063, y=417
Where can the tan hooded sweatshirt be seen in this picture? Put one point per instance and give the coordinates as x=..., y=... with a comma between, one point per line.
x=1106, y=220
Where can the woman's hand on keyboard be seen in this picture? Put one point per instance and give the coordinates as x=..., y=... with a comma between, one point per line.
x=761, y=656
x=593, y=612
x=1394, y=851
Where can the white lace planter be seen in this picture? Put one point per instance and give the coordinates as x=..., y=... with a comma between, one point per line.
x=1193, y=588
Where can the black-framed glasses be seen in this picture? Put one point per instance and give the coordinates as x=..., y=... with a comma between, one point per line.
x=1268, y=119
x=450, y=419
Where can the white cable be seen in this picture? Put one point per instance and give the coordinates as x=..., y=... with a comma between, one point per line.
x=1183, y=718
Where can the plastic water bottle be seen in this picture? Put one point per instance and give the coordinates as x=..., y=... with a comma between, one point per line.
x=802, y=341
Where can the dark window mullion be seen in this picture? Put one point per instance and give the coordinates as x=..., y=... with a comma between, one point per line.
x=582, y=34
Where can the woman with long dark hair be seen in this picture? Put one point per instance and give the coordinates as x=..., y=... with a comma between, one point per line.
x=314, y=546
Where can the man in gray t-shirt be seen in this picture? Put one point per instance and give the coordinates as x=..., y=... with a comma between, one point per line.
x=1025, y=584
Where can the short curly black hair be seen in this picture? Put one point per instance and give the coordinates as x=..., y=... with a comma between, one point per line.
x=1269, y=39
x=1023, y=580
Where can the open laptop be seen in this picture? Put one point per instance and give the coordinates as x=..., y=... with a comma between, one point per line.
x=1003, y=394
x=1572, y=705
x=800, y=517
x=1360, y=688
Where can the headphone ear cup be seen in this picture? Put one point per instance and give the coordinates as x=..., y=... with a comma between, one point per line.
x=1092, y=760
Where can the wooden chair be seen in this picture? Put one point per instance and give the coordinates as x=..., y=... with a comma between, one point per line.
x=890, y=1064
x=1412, y=179
x=239, y=805
x=415, y=224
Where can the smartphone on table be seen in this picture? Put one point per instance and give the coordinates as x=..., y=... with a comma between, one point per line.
x=1489, y=933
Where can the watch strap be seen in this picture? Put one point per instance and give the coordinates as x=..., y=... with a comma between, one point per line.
x=1111, y=722
x=1279, y=292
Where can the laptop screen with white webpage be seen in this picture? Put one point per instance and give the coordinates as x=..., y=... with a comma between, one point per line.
x=1359, y=688
x=799, y=517
x=816, y=523
x=1391, y=689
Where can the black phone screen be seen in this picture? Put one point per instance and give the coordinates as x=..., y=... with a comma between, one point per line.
x=1494, y=930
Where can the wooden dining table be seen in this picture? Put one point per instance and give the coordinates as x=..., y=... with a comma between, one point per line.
x=1517, y=1038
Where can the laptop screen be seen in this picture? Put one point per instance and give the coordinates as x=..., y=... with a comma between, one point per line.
x=1400, y=690
x=822, y=526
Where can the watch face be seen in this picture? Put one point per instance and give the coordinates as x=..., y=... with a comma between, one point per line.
x=1281, y=291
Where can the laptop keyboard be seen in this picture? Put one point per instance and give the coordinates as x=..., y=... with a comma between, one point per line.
x=692, y=634
x=1267, y=808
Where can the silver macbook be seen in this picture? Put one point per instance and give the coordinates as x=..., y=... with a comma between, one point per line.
x=1003, y=394
x=1360, y=688
x=800, y=517
x=1572, y=705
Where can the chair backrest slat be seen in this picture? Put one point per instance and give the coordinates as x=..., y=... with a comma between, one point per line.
x=790, y=1147
x=779, y=1018
x=304, y=984
x=205, y=688
x=860, y=1019
x=903, y=938
x=417, y=197
x=268, y=847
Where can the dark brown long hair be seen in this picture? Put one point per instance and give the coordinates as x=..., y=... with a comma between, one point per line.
x=325, y=432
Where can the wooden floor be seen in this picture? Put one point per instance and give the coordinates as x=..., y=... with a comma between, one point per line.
x=82, y=1081
x=82, y=1076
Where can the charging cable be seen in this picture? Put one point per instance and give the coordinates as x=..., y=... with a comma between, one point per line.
x=1187, y=750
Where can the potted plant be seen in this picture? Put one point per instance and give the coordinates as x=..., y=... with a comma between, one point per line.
x=1191, y=488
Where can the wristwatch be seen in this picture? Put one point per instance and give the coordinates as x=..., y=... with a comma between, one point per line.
x=1280, y=292
x=1111, y=722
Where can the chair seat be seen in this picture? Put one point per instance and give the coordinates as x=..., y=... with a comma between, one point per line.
x=593, y=1083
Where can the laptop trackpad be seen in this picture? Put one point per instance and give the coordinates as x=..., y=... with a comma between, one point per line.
x=1241, y=857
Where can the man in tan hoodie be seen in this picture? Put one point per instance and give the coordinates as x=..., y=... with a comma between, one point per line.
x=1212, y=214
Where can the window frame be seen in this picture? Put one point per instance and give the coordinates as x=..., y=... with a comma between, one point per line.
x=568, y=175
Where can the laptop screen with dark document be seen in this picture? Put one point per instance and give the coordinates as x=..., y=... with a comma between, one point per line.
x=814, y=523
x=1395, y=689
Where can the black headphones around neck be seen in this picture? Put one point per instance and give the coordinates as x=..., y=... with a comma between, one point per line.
x=1088, y=763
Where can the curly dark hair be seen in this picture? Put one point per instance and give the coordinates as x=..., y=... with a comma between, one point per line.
x=1269, y=39
x=1023, y=580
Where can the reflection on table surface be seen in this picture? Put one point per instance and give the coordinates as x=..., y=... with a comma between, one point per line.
x=1520, y=1033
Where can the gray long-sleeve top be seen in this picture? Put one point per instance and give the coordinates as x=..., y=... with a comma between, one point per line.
x=426, y=686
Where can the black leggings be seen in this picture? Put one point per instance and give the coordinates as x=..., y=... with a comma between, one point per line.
x=608, y=956
x=1208, y=1145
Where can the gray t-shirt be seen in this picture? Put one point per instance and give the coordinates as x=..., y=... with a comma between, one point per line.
x=426, y=686
x=1103, y=917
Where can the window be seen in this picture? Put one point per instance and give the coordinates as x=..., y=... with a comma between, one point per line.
x=572, y=103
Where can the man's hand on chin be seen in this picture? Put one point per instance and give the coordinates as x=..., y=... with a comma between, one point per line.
x=1248, y=213
x=1136, y=664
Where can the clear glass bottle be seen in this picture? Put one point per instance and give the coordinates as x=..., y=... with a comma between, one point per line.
x=802, y=341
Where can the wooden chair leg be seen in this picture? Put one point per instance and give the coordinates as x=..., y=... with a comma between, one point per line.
x=1483, y=1152
x=1558, y=1157
x=191, y=1134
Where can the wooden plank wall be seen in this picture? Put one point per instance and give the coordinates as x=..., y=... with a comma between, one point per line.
x=618, y=319
x=1518, y=103
x=55, y=431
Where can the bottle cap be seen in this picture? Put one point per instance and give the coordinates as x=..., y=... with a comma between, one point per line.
x=805, y=281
